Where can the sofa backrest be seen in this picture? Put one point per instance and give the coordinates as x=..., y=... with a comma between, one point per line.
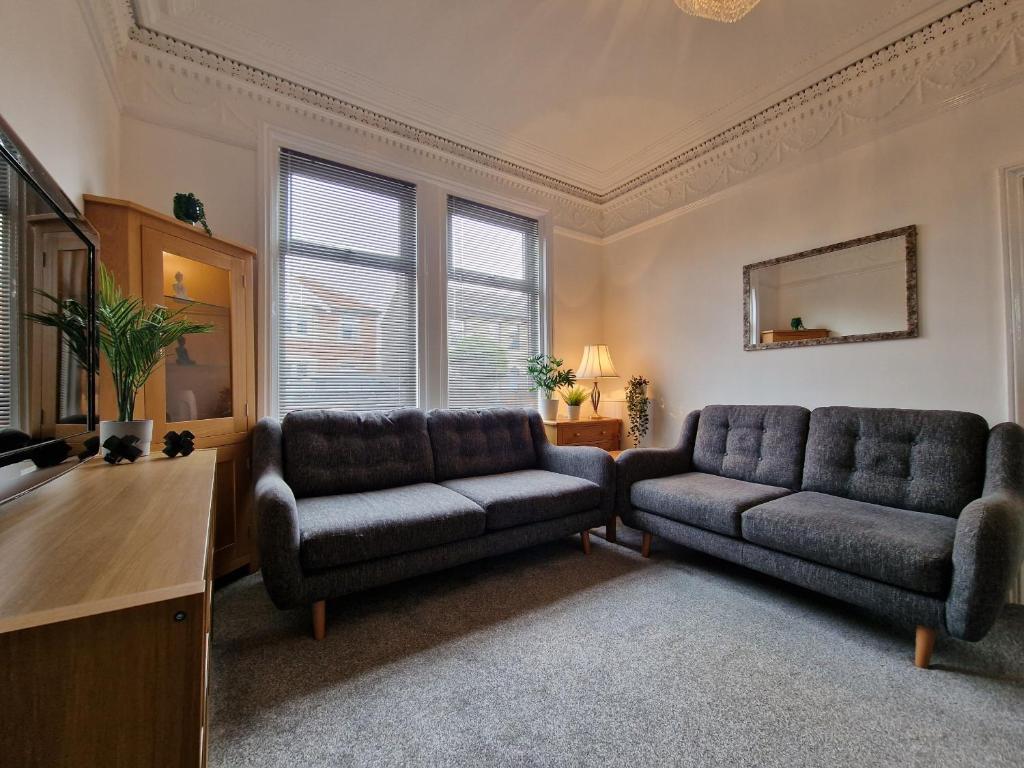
x=470, y=443
x=756, y=443
x=328, y=452
x=927, y=461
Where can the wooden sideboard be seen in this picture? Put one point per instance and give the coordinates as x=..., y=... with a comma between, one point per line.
x=773, y=336
x=105, y=583
x=602, y=432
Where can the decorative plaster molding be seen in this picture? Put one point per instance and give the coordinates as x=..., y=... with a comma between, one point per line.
x=949, y=62
x=955, y=60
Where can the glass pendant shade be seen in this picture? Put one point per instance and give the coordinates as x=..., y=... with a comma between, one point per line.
x=718, y=10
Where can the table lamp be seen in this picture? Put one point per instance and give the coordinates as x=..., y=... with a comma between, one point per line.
x=596, y=364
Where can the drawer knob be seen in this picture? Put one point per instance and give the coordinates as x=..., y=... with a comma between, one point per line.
x=180, y=616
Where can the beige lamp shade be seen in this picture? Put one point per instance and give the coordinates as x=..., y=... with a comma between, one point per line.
x=596, y=363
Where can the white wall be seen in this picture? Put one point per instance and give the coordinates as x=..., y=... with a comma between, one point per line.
x=157, y=162
x=54, y=94
x=673, y=292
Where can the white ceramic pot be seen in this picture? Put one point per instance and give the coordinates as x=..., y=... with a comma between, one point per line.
x=548, y=408
x=574, y=412
x=141, y=428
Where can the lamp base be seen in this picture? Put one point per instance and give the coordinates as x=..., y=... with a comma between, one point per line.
x=595, y=399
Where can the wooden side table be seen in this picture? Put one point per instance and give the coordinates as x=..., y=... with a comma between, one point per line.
x=601, y=433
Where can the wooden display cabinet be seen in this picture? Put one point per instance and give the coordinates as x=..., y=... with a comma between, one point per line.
x=207, y=382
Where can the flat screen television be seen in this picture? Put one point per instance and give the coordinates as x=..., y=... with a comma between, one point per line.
x=47, y=376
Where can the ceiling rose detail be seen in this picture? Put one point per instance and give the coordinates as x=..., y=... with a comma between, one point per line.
x=718, y=10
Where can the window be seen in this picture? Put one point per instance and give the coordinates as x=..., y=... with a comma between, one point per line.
x=347, y=271
x=7, y=417
x=494, y=305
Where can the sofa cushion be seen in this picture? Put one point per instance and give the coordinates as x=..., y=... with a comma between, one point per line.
x=928, y=461
x=354, y=527
x=468, y=443
x=895, y=546
x=707, y=501
x=331, y=452
x=527, y=496
x=756, y=443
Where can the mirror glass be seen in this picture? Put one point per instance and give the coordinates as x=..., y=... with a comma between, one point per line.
x=45, y=262
x=858, y=290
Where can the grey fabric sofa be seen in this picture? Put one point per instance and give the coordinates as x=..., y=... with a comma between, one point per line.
x=346, y=501
x=918, y=515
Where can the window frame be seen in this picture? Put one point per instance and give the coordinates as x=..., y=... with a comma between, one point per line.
x=432, y=194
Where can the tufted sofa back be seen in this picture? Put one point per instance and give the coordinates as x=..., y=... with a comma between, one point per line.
x=756, y=443
x=470, y=443
x=928, y=461
x=329, y=452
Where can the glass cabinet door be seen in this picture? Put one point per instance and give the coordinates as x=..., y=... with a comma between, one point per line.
x=201, y=381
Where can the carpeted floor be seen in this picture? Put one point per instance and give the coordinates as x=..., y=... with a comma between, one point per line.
x=550, y=658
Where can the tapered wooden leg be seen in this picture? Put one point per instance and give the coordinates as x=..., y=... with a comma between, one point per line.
x=645, y=546
x=610, y=533
x=319, y=620
x=585, y=538
x=923, y=647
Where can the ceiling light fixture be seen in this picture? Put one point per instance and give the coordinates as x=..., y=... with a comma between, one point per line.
x=718, y=10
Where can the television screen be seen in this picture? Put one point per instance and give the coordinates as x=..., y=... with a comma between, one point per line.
x=47, y=342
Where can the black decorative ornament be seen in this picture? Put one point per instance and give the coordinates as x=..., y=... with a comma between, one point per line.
x=50, y=454
x=119, y=448
x=179, y=443
x=92, y=447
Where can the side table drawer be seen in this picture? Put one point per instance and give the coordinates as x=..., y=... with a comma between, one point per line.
x=603, y=434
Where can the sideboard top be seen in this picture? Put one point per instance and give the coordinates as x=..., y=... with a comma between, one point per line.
x=106, y=537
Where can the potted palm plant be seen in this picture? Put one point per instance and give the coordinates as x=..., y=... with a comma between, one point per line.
x=548, y=377
x=131, y=337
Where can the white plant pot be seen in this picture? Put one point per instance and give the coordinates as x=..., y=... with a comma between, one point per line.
x=548, y=409
x=574, y=412
x=141, y=428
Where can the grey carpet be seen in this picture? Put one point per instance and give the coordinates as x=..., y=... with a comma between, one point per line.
x=547, y=657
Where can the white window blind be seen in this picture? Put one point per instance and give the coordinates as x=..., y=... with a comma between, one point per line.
x=347, y=288
x=7, y=292
x=494, y=305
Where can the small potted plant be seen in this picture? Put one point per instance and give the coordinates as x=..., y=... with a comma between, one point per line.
x=573, y=399
x=132, y=338
x=548, y=377
x=637, y=406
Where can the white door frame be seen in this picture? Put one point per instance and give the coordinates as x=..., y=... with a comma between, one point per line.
x=1012, y=188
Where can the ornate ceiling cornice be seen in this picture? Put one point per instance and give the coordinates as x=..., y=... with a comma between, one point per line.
x=946, y=62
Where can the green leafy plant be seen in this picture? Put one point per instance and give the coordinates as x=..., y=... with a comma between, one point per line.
x=132, y=337
x=188, y=207
x=575, y=396
x=637, y=405
x=548, y=375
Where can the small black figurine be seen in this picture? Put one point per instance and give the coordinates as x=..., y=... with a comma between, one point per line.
x=92, y=447
x=50, y=454
x=179, y=442
x=121, y=448
x=188, y=207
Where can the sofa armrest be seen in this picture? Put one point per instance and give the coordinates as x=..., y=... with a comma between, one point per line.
x=638, y=464
x=277, y=517
x=586, y=462
x=989, y=543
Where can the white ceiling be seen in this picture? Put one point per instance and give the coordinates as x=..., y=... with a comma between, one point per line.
x=592, y=92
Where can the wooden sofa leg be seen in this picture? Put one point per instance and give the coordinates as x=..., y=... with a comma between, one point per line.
x=645, y=546
x=610, y=533
x=585, y=538
x=923, y=647
x=319, y=620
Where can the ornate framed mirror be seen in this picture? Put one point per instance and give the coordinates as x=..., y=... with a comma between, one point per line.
x=858, y=290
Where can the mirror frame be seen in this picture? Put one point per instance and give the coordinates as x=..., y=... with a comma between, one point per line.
x=911, y=331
